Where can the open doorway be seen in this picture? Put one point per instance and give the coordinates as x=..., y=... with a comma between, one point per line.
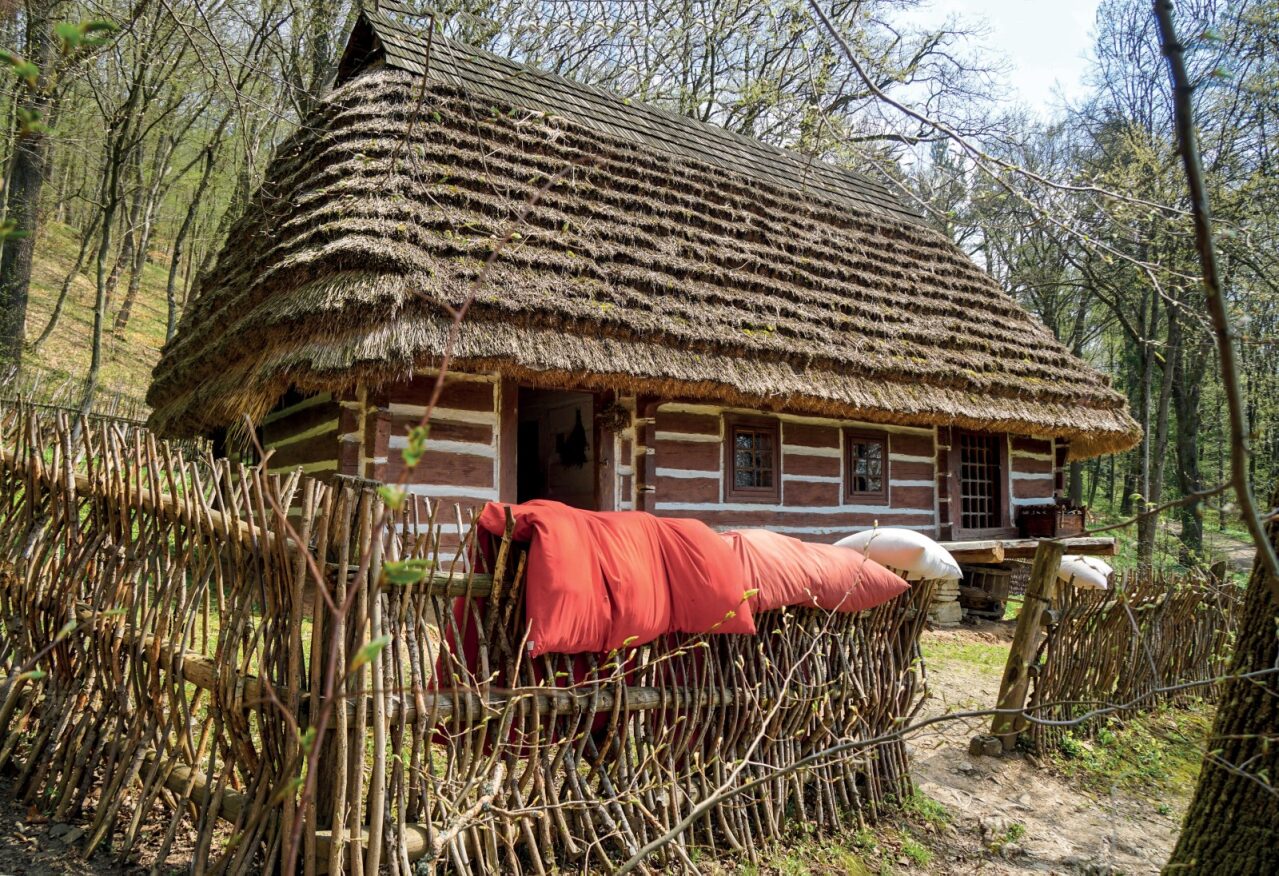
x=556, y=455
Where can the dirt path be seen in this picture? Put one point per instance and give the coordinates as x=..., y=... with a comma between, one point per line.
x=1066, y=830
x=1237, y=552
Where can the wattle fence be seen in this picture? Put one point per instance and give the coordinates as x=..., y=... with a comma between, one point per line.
x=1145, y=642
x=275, y=662
x=52, y=389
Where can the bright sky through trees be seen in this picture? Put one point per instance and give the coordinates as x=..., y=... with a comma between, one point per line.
x=1043, y=43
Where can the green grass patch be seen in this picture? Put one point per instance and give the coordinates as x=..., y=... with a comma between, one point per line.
x=924, y=808
x=897, y=844
x=128, y=360
x=1012, y=607
x=813, y=857
x=1156, y=756
x=915, y=851
x=940, y=652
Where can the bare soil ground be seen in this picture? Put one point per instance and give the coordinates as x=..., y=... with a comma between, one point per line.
x=30, y=845
x=1015, y=814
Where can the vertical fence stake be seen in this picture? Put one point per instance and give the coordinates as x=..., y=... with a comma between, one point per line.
x=1016, y=681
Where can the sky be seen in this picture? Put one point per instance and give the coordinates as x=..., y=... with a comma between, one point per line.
x=1043, y=41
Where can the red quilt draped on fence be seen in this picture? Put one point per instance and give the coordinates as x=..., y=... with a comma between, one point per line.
x=597, y=581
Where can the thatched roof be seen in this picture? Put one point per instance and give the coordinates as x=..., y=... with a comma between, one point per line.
x=609, y=245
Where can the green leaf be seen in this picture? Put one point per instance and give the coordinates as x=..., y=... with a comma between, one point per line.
x=392, y=496
x=308, y=740
x=27, y=71
x=369, y=652
x=415, y=448
x=99, y=25
x=406, y=572
x=71, y=34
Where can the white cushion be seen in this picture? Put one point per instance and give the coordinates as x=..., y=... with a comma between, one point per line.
x=906, y=550
x=1089, y=573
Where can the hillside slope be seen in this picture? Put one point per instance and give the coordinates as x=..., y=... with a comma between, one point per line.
x=128, y=360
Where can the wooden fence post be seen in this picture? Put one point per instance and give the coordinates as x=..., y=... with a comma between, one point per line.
x=1016, y=682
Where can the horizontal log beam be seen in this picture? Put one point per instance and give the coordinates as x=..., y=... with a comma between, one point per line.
x=161, y=503
x=472, y=707
x=1024, y=549
x=990, y=551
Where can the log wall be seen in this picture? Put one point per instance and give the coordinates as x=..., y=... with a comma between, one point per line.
x=671, y=460
x=304, y=434
x=686, y=469
x=1034, y=470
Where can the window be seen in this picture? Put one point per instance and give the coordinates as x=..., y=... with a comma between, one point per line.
x=754, y=460
x=866, y=467
x=981, y=490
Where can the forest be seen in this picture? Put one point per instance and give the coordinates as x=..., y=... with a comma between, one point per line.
x=135, y=132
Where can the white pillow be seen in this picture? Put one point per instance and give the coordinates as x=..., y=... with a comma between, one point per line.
x=1089, y=573
x=906, y=550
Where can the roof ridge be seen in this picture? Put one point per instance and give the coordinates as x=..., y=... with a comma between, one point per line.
x=485, y=72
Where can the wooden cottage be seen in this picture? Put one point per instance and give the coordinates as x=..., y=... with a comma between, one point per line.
x=667, y=316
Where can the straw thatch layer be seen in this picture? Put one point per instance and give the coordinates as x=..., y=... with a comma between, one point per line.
x=597, y=260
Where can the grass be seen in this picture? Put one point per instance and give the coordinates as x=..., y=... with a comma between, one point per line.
x=128, y=360
x=941, y=652
x=1155, y=756
x=895, y=845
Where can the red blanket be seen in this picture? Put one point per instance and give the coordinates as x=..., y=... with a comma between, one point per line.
x=597, y=581
x=787, y=571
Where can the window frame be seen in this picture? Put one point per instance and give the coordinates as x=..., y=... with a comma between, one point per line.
x=1003, y=489
x=762, y=495
x=861, y=497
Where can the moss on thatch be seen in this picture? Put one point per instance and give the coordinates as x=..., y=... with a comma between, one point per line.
x=598, y=259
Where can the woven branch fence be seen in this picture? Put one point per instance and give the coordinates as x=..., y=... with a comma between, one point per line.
x=58, y=389
x=1152, y=631
x=170, y=658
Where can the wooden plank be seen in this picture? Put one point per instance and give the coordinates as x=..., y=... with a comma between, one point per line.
x=1024, y=548
x=997, y=550
x=1016, y=681
x=508, y=433
x=989, y=551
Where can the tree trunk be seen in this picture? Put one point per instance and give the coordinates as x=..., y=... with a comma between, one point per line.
x=1129, y=488
x=85, y=240
x=28, y=166
x=132, y=229
x=1157, y=453
x=179, y=241
x=1232, y=825
x=1076, y=482
x=1186, y=395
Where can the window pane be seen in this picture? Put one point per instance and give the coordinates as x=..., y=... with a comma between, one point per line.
x=865, y=466
x=754, y=459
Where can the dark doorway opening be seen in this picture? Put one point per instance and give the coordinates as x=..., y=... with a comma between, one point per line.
x=556, y=455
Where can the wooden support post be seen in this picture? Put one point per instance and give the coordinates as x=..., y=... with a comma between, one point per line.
x=1016, y=682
